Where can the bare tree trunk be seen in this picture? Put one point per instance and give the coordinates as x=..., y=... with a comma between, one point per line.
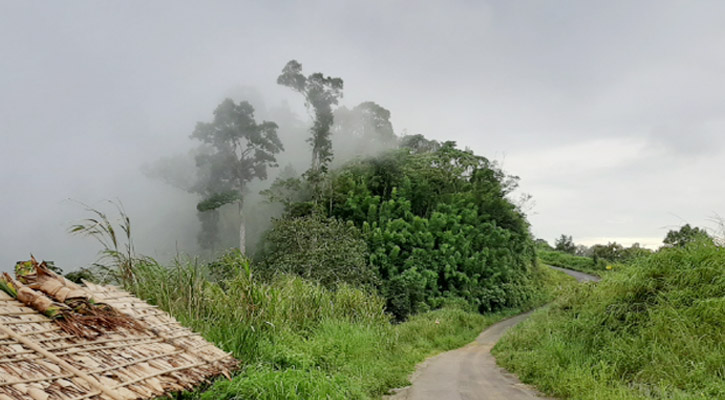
x=242, y=229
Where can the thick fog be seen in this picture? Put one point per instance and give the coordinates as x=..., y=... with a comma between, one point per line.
x=611, y=113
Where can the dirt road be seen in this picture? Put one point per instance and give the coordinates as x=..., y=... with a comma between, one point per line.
x=471, y=373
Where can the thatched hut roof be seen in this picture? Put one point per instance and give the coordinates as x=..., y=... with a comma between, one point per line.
x=40, y=361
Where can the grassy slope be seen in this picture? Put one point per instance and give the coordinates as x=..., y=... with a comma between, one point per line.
x=570, y=261
x=652, y=330
x=300, y=341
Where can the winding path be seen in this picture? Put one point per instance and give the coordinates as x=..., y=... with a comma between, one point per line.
x=470, y=372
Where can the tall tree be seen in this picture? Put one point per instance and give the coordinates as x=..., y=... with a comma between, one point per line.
x=320, y=93
x=363, y=130
x=566, y=244
x=236, y=150
x=686, y=234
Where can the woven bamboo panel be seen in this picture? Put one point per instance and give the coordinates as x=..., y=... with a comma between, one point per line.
x=41, y=362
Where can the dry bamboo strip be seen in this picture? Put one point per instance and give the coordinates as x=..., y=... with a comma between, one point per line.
x=49, y=330
x=113, y=346
x=52, y=357
x=177, y=336
x=201, y=346
x=123, y=296
x=40, y=321
x=47, y=378
x=149, y=341
x=133, y=306
x=90, y=343
x=136, y=361
x=221, y=358
x=16, y=353
x=55, y=338
x=164, y=324
x=8, y=314
x=87, y=395
x=12, y=360
x=155, y=374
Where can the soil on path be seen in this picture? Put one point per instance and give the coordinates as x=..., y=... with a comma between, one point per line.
x=470, y=372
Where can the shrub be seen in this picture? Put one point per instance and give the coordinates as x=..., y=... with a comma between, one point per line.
x=326, y=250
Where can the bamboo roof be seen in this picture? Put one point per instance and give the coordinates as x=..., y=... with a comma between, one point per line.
x=39, y=361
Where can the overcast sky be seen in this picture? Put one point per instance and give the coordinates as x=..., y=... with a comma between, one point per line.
x=611, y=112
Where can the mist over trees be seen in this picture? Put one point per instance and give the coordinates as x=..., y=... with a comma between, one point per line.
x=421, y=222
x=320, y=94
x=364, y=130
x=235, y=150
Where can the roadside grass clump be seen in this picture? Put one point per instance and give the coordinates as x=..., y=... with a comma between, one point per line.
x=651, y=330
x=570, y=261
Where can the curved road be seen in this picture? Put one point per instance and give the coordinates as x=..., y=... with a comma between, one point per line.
x=470, y=372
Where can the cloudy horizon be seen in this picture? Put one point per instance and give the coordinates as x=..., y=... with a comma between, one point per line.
x=611, y=113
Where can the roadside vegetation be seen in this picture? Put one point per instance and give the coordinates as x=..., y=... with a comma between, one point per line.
x=598, y=259
x=652, y=329
x=298, y=339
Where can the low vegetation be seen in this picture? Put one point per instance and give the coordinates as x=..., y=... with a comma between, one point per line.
x=649, y=330
x=300, y=340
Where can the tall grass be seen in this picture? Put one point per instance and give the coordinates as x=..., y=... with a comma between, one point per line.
x=652, y=330
x=238, y=311
x=299, y=340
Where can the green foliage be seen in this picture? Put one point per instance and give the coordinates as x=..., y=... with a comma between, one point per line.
x=326, y=250
x=217, y=200
x=438, y=225
x=117, y=257
x=320, y=94
x=612, y=252
x=686, y=234
x=565, y=244
x=83, y=274
x=651, y=330
x=542, y=244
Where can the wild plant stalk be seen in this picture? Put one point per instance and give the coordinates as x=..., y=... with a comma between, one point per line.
x=718, y=234
x=117, y=260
